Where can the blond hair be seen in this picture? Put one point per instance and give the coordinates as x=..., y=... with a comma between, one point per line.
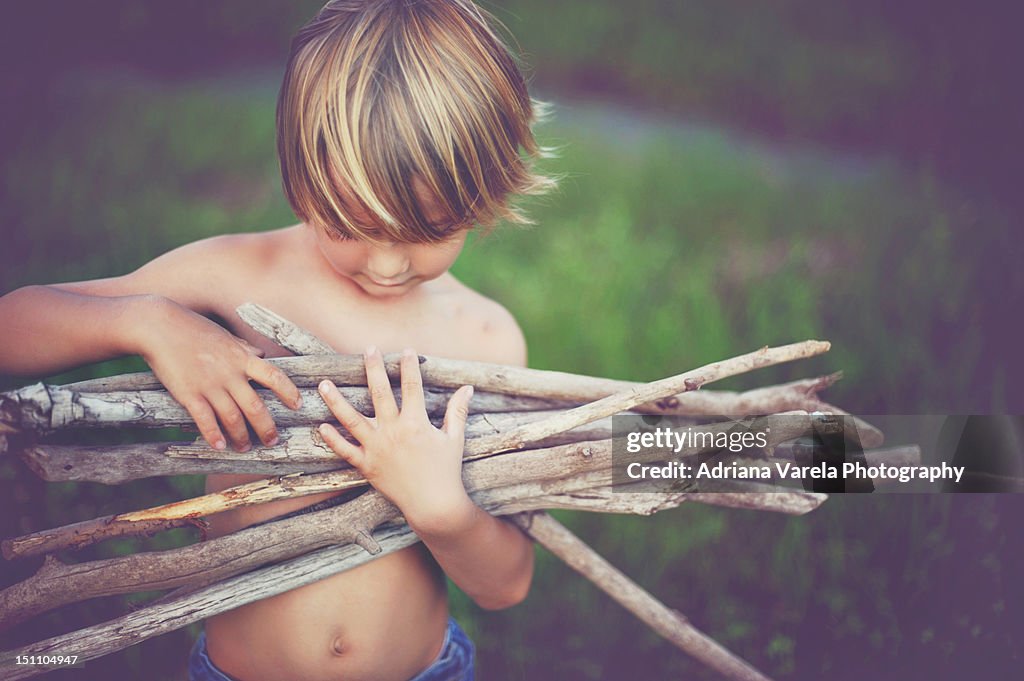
x=379, y=94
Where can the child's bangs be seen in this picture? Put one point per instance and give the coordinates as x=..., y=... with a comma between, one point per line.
x=415, y=117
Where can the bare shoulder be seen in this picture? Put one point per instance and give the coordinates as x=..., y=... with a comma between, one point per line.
x=232, y=252
x=199, y=273
x=491, y=332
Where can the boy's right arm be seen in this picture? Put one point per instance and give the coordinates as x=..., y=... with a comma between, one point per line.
x=154, y=312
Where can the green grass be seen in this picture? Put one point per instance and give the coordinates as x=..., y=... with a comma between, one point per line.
x=667, y=246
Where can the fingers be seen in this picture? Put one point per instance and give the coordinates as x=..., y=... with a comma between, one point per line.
x=412, y=384
x=384, y=407
x=342, y=447
x=265, y=373
x=206, y=421
x=251, y=348
x=457, y=412
x=256, y=413
x=231, y=420
x=347, y=415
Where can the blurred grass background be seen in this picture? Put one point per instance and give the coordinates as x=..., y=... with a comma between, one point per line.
x=736, y=174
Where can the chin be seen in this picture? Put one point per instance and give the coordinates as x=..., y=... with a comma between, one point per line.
x=378, y=291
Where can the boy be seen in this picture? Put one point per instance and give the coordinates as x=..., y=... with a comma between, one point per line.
x=399, y=128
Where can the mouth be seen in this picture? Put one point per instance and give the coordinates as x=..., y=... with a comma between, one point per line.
x=388, y=283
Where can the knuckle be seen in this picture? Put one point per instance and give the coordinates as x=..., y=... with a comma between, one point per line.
x=232, y=420
x=380, y=392
x=254, y=404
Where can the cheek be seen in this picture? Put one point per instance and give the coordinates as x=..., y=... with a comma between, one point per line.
x=435, y=260
x=344, y=260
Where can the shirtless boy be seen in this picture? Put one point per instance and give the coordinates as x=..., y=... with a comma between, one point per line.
x=401, y=126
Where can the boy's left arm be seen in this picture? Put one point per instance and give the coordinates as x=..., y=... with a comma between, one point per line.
x=419, y=468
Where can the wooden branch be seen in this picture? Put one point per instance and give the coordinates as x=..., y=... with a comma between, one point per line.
x=188, y=605
x=593, y=491
x=781, y=428
x=300, y=450
x=864, y=432
x=671, y=624
x=281, y=331
x=630, y=398
x=348, y=370
x=907, y=455
x=48, y=407
x=212, y=560
x=195, y=603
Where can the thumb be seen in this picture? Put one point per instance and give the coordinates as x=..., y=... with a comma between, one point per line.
x=251, y=348
x=457, y=412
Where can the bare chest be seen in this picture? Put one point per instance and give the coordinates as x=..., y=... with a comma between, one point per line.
x=438, y=324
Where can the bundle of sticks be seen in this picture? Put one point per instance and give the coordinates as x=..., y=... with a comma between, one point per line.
x=535, y=440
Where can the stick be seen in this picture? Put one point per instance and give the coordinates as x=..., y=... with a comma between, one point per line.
x=301, y=449
x=43, y=408
x=58, y=584
x=671, y=624
x=192, y=604
x=781, y=429
x=628, y=399
x=281, y=331
x=347, y=370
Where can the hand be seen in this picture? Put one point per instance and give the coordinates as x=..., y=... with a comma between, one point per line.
x=207, y=370
x=415, y=465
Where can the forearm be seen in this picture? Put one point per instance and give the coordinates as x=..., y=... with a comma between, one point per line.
x=488, y=558
x=46, y=330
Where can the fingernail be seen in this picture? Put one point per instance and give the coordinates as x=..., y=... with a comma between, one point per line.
x=220, y=444
x=298, y=402
x=370, y=350
x=273, y=441
x=325, y=387
x=470, y=391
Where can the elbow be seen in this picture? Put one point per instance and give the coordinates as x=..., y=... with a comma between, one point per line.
x=506, y=599
x=513, y=593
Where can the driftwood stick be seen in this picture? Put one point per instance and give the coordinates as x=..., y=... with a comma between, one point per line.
x=278, y=329
x=866, y=434
x=58, y=584
x=781, y=428
x=553, y=536
x=189, y=605
x=192, y=604
x=628, y=399
x=349, y=370
x=47, y=407
x=593, y=491
x=301, y=449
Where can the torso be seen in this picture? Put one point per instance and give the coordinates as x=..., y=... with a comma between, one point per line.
x=384, y=620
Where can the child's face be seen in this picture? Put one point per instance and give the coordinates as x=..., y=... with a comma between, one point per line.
x=389, y=269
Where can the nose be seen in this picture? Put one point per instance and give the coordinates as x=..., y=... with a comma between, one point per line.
x=387, y=261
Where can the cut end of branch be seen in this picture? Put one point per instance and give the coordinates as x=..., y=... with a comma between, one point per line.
x=368, y=543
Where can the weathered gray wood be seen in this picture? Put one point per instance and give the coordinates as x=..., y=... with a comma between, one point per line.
x=45, y=408
x=634, y=396
x=671, y=624
x=780, y=428
x=348, y=370
x=281, y=331
x=300, y=450
x=228, y=555
x=191, y=604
